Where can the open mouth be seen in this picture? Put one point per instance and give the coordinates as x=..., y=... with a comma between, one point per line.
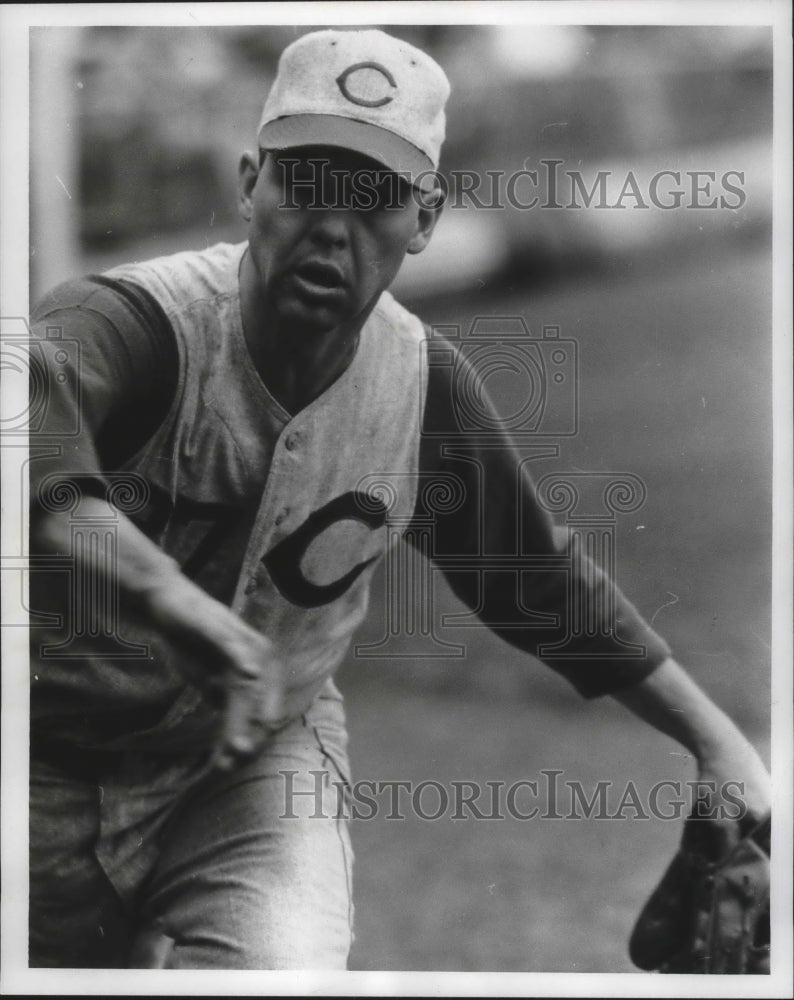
x=321, y=276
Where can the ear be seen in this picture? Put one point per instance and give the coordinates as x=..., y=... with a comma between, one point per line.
x=430, y=208
x=248, y=172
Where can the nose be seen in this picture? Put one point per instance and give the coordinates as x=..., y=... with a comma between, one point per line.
x=331, y=228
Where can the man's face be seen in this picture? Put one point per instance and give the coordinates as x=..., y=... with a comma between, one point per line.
x=328, y=230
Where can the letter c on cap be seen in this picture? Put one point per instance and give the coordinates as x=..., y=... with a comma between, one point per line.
x=364, y=102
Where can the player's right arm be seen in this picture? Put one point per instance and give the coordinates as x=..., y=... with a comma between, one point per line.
x=232, y=663
x=120, y=368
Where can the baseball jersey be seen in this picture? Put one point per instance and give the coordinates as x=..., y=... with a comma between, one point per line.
x=284, y=516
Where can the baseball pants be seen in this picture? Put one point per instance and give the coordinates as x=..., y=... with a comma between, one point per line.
x=156, y=862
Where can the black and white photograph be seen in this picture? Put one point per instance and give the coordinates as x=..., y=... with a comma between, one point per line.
x=396, y=441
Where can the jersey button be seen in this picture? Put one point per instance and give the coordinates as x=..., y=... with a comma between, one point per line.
x=282, y=515
x=292, y=442
x=251, y=586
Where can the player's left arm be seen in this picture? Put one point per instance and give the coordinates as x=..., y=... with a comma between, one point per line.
x=496, y=517
x=669, y=700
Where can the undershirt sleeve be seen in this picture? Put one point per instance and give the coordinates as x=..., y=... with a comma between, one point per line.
x=499, y=516
x=104, y=370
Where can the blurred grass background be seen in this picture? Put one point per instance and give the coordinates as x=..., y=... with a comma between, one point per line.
x=135, y=137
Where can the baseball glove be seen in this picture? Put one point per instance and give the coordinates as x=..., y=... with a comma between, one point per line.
x=710, y=912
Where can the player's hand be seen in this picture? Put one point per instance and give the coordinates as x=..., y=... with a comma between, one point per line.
x=733, y=766
x=236, y=667
x=253, y=697
x=669, y=699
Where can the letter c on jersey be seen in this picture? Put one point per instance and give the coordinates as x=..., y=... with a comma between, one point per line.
x=283, y=562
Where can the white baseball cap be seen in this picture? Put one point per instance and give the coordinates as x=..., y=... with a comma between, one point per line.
x=359, y=90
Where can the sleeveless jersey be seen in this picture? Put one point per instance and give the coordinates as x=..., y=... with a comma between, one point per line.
x=285, y=516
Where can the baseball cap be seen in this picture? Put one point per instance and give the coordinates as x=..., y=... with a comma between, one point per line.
x=359, y=90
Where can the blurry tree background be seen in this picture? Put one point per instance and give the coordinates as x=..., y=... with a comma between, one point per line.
x=136, y=134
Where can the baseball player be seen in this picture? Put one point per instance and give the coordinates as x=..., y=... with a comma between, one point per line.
x=236, y=433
